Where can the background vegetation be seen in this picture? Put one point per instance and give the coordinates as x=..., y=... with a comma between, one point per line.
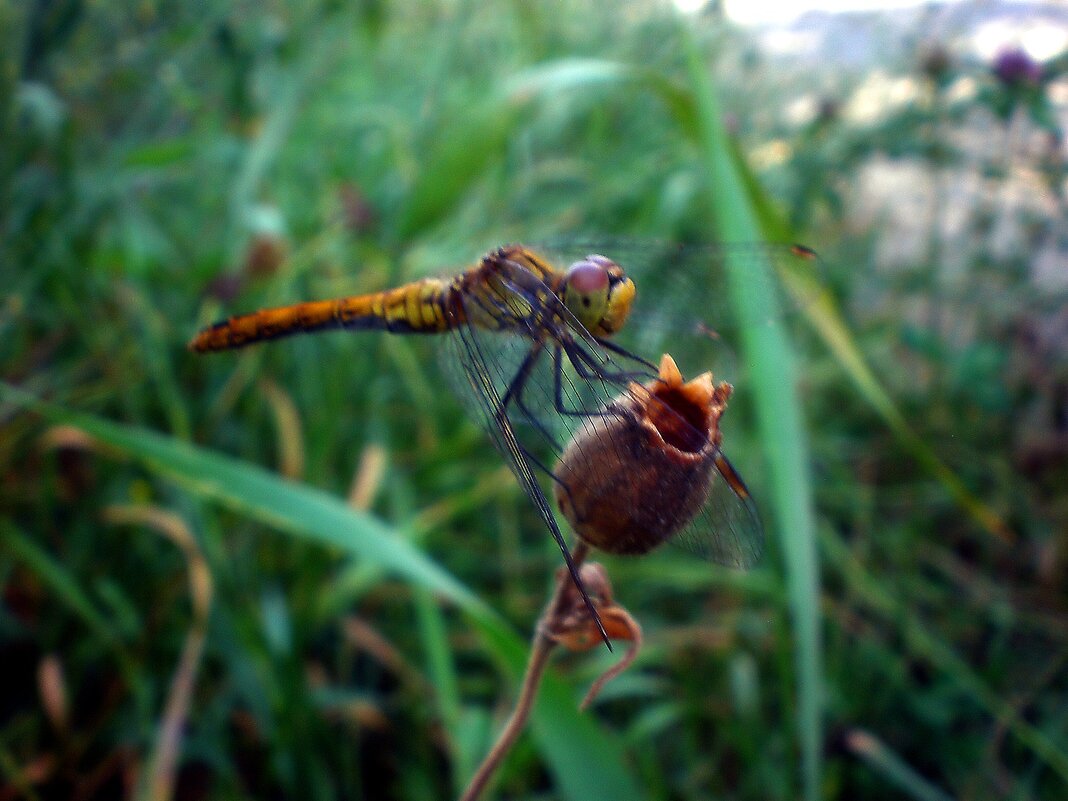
x=165, y=164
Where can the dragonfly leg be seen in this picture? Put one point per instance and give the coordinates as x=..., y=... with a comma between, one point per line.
x=514, y=394
x=608, y=344
x=500, y=428
x=588, y=370
x=558, y=389
x=587, y=367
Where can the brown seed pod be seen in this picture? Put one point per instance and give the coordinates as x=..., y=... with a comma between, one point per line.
x=632, y=479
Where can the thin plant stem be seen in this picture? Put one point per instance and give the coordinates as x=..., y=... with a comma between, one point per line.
x=541, y=648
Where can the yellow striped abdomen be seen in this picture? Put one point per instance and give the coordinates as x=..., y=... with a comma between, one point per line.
x=415, y=308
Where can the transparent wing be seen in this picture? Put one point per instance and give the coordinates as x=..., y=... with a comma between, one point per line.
x=483, y=368
x=683, y=303
x=539, y=385
x=727, y=529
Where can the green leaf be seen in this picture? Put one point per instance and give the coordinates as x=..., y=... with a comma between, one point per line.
x=548, y=80
x=264, y=496
x=458, y=162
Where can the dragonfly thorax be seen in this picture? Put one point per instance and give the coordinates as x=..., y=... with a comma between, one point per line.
x=598, y=293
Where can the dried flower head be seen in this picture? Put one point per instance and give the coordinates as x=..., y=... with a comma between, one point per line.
x=634, y=477
x=571, y=625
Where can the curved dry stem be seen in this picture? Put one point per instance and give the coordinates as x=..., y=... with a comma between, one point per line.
x=539, y=658
x=541, y=647
x=635, y=636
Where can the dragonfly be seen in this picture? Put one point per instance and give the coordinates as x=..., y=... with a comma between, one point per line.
x=531, y=351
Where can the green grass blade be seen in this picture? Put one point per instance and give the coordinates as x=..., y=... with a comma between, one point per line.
x=264, y=496
x=835, y=333
x=778, y=406
x=587, y=763
x=825, y=317
x=546, y=81
x=441, y=669
x=942, y=655
x=892, y=767
x=54, y=576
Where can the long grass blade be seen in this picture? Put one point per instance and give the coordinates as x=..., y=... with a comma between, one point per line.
x=778, y=406
x=892, y=767
x=590, y=74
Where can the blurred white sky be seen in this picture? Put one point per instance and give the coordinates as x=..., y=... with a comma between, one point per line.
x=754, y=12
x=1042, y=40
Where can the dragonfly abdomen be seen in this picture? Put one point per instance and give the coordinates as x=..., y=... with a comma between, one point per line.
x=415, y=308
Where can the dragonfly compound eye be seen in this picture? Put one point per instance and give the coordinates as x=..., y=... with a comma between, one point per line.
x=586, y=290
x=632, y=479
x=598, y=293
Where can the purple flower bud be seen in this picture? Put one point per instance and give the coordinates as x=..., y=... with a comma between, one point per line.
x=1015, y=67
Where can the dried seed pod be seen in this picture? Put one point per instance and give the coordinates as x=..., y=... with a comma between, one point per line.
x=571, y=625
x=633, y=478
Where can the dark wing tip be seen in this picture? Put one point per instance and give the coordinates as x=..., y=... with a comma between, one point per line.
x=804, y=252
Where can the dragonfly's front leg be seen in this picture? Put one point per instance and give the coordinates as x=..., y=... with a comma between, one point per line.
x=514, y=394
x=588, y=370
x=608, y=344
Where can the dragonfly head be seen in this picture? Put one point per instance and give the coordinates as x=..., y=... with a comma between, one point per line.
x=599, y=294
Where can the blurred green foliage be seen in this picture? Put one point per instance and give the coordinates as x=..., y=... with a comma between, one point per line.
x=165, y=164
